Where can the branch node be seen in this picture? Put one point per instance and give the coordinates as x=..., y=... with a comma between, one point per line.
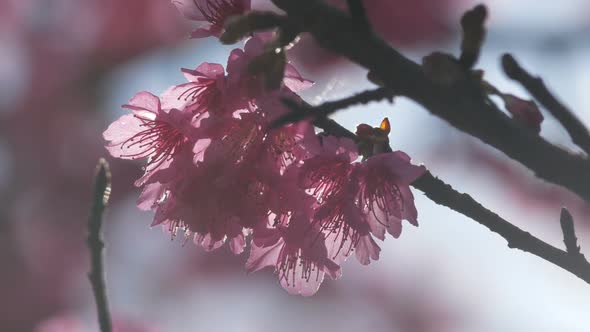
x=569, y=234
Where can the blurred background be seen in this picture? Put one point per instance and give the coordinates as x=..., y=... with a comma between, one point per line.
x=66, y=67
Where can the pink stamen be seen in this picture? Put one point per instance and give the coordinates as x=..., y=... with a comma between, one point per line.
x=205, y=91
x=158, y=142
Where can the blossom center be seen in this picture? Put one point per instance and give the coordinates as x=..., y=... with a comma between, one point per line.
x=381, y=192
x=328, y=179
x=281, y=147
x=158, y=142
x=202, y=92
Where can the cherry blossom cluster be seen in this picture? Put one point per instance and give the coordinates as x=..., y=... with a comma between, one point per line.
x=218, y=172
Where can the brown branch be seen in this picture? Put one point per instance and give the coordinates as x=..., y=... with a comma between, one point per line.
x=102, y=190
x=462, y=104
x=535, y=86
x=443, y=194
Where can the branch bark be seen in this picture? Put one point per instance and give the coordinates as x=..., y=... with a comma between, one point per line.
x=462, y=104
x=102, y=190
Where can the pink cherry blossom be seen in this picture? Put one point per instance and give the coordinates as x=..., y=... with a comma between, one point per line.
x=149, y=133
x=202, y=93
x=214, y=12
x=287, y=145
x=326, y=173
x=298, y=255
x=359, y=200
x=333, y=180
x=203, y=205
x=220, y=195
x=384, y=194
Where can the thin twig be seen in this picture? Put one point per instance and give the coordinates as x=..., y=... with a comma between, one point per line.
x=299, y=113
x=443, y=194
x=473, y=35
x=462, y=105
x=102, y=190
x=536, y=87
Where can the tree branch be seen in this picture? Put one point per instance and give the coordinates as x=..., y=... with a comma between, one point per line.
x=535, y=86
x=462, y=104
x=102, y=190
x=443, y=194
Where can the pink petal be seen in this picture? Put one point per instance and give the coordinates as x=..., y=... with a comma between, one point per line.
x=378, y=221
x=122, y=129
x=296, y=284
x=366, y=249
x=211, y=70
x=261, y=257
x=236, y=62
x=150, y=195
x=144, y=104
x=172, y=97
x=199, y=149
x=395, y=228
x=294, y=81
x=400, y=164
x=145, y=178
x=333, y=270
x=205, y=32
x=410, y=212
